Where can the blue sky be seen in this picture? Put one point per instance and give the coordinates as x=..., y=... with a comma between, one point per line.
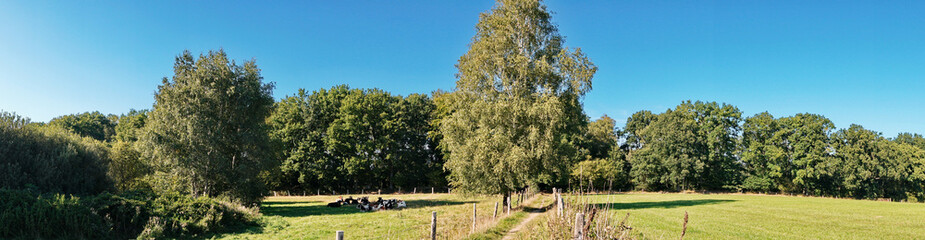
x=853, y=62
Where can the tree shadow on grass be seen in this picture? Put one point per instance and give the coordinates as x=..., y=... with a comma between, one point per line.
x=663, y=204
x=315, y=208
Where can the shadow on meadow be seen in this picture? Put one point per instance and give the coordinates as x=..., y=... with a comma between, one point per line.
x=663, y=204
x=310, y=208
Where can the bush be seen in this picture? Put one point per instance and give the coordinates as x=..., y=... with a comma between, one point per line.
x=143, y=215
x=26, y=215
x=50, y=158
x=125, y=216
x=183, y=215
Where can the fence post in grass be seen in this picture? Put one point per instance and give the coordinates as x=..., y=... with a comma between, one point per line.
x=493, y=216
x=579, y=226
x=559, y=204
x=340, y=235
x=415, y=191
x=508, y=210
x=433, y=226
x=473, y=217
x=431, y=190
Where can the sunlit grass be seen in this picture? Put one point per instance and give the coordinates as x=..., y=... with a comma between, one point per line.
x=310, y=218
x=738, y=216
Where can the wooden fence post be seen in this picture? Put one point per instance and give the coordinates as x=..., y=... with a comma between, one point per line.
x=473, y=217
x=340, y=235
x=415, y=191
x=508, y=207
x=559, y=204
x=431, y=190
x=579, y=226
x=433, y=226
x=493, y=216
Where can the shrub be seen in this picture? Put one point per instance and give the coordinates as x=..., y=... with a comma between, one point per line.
x=143, y=215
x=24, y=214
x=124, y=216
x=50, y=158
x=183, y=215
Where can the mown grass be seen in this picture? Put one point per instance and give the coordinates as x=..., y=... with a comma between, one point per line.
x=740, y=216
x=310, y=218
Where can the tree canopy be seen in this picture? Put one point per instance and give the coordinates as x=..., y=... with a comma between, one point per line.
x=342, y=138
x=206, y=134
x=516, y=116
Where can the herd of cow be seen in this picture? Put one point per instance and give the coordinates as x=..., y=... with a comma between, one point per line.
x=365, y=205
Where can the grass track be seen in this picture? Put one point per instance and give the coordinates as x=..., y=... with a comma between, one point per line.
x=739, y=216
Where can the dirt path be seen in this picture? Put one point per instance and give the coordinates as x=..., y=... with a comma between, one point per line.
x=533, y=214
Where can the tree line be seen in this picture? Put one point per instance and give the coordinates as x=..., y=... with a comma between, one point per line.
x=708, y=146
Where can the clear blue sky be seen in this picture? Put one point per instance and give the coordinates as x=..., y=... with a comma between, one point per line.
x=854, y=62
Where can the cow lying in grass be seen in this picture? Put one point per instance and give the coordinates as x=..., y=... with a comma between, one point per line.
x=380, y=204
x=365, y=205
x=338, y=203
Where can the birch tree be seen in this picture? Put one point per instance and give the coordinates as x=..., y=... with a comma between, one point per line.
x=516, y=113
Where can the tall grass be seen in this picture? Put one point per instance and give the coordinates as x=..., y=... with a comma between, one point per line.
x=596, y=221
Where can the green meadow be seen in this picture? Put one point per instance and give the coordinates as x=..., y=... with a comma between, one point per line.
x=310, y=218
x=740, y=216
x=652, y=216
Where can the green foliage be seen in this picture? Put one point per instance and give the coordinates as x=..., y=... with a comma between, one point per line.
x=24, y=214
x=127, y=169
x=689, y=148
x=50, y=159
x=207, y=128
x=913, y=139
x=764, y=159
x=598, y=174
x=181, y=215
x=29, y=216
x=634, y=126
x=353, y=138
x=790, y=154
x=89, y=124
x=600, y=138
x=516, y=114
x=871, y=166
x=129, y=126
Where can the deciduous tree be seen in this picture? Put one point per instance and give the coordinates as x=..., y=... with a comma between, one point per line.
x=206, y=133
x=517, y=114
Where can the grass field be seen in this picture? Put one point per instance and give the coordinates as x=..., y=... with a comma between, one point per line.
x=310, y=218
x=652, y=216
x=737, y=216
